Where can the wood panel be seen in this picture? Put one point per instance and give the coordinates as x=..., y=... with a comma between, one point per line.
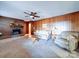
x=72, y=19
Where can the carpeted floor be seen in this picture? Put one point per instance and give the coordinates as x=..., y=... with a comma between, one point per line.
x=21, y=47
x=12, y=49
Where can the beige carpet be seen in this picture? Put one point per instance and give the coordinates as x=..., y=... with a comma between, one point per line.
x=21, y=47
x=10, y=48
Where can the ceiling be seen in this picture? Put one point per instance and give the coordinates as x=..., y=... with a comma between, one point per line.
x=45, y=9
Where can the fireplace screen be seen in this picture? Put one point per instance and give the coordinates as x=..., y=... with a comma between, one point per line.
x=16, y=31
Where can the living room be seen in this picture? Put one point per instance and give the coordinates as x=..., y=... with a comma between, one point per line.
x=39, y=29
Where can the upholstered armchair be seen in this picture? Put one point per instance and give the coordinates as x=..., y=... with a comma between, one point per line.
x=0, y=34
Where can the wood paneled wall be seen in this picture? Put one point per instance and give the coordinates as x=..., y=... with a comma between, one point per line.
x=72, y=20
x=5, y=26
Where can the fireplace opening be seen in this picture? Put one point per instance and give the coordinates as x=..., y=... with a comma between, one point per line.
x=16, y=31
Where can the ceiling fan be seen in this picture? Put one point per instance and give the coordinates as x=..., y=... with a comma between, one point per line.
x=32, y=14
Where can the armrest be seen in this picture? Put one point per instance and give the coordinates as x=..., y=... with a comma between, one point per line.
x=0, y=34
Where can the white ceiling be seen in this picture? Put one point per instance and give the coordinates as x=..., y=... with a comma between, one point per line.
x=45, y=9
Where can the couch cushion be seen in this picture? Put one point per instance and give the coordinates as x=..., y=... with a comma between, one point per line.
x=67, y=34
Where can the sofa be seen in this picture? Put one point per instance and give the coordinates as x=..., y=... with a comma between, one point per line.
x=68, y=40
x=42, y=34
